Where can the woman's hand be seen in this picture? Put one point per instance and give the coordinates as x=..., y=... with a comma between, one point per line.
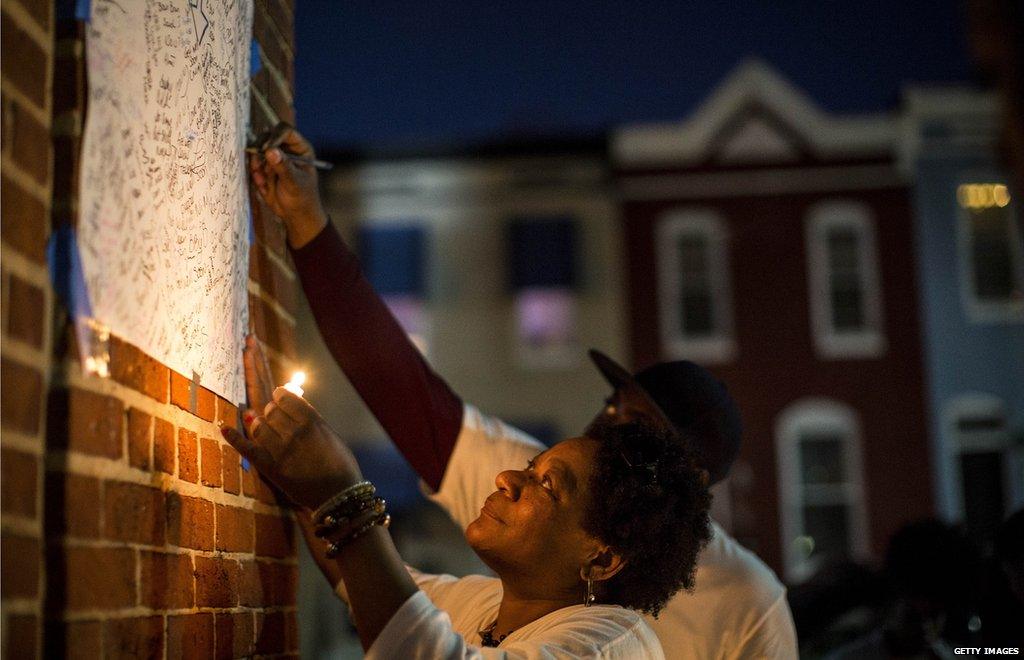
x=290, y=443
x=289, y=186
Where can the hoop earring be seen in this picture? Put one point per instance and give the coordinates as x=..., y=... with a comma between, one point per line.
x=589, y=599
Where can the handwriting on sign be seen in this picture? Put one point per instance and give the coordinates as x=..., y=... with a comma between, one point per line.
x=163, y=196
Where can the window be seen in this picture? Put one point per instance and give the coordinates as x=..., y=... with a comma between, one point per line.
x=542, y=271
x=846, y=314
x=821, y=492
x=984, y=464
x=693, y=287
x=992, y=272
x=394, y=260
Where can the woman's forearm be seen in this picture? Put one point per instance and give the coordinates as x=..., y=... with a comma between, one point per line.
x=376, y=581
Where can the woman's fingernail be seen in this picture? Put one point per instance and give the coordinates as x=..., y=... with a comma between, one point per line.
x=248, y=417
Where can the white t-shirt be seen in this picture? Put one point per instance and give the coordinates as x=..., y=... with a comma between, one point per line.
x=443, y=620
x=738, y=608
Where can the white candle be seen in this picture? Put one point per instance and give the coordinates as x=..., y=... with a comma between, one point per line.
x=295, y=384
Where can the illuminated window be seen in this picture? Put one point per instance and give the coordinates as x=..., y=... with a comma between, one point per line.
x=845, y=297
x=693, y=287
x=542, y=265
x=992, y=268
x=394, y=260
x=820, y=487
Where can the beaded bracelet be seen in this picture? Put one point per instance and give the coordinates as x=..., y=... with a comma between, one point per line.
x=336, y=519
x=382, y=519
x=357, y=492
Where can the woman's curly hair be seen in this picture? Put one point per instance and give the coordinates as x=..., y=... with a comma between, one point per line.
x=649, y=502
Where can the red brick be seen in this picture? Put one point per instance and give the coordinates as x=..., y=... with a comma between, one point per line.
x=24, y=61
x=216, y=582
x=211, y=462
x=25, y=219
x=20, y=562
x=133, y=368
x=26, y=302
x=73, y=503
x=73, y=640
x=94, y=578
x=265, y=322
x=250, y=590
x=22, y=637
x=206, y=403
x=21, y=391
x=189, y=522
x=190, y=636
x=232, y=468
x=278, y=582
x=235, y=528
x=19, y=483
x=133, y=513
x=276, y=632
x=140, y=444
x=275, y=536
x=141, y=637
x=30, y=144
x=234, y=635
x=181, y=391
x=163, y=445
x=86, y=422
x=227, y=413
x=249, y=481
x=188, y=456
x=280, y=100
x=166, y=580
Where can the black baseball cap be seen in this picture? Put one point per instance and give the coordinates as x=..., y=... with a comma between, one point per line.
x=697, y=405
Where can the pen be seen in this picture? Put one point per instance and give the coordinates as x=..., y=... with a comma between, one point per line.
x=318, y=164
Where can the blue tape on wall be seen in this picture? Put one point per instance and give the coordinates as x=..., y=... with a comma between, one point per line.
x=255, y=62
x=83, y=10
x=66, y=273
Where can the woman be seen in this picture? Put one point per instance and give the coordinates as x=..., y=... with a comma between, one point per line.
x=589, y=528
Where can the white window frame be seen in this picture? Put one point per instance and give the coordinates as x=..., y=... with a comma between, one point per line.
x=829, y=342
x=987, y=311
x=823, y=416
x=979, y=405
x=720, y=347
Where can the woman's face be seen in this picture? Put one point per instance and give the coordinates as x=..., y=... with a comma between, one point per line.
x=530, y=531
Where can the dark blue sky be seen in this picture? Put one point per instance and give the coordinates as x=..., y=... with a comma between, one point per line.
x=385, y=74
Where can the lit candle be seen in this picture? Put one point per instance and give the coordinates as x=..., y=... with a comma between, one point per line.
x=295, y=384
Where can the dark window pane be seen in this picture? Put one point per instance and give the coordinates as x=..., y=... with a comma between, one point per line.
x=847, y=309
x=696, y=306
x=990, y=254
x=982, y=476
x=697, y=314
x=828, y=526
x=821, y=460
x=845, y=291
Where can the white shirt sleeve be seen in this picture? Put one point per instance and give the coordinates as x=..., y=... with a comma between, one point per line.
x=773, y=637
x=485, y=447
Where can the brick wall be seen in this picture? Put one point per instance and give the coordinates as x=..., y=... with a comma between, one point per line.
x=129, y=527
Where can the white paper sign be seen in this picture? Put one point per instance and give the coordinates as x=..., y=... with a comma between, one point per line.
x=164, y=210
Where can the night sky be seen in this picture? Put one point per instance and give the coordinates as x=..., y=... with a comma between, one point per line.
x=391, y=75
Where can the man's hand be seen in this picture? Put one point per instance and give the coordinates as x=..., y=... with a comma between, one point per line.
x=289, y=186
x=293, y=446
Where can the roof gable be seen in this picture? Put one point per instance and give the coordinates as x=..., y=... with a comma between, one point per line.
x=754, y=116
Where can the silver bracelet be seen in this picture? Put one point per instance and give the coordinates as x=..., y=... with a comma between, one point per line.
x=361, y=490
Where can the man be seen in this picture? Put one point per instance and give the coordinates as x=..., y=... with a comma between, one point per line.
x=738, y=608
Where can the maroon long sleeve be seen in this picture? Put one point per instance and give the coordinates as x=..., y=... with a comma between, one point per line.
x=417, y=409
